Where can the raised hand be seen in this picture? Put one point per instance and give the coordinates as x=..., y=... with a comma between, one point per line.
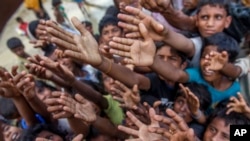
x=177, y=130
x=56, y=68
x=137, y=52
x=79, y=47
x=216, y=60
x=26, y=85
x=192, y=100
x=80, y=108
x=238, y=105
x=130, y=97
x=77, y=138
x=143, y=134
x=55, y=107
x=156, y=5
x=135, y=16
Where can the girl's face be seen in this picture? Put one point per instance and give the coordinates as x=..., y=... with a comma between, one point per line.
x=181, y=108
x=50, y=136
x=11, y=133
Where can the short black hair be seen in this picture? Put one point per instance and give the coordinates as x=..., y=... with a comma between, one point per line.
x=18, y=19
x=221, y=3
x=230, y=119
x=14, y=42
x=223, y=42
x=108, y=20
x=87, y=23
x=54, y=3
x=201, y=91
x=160, y=44
x=32, y=28
x=7, y=108
x=31, y=133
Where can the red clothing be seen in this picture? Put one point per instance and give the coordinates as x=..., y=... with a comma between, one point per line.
x=24, y=27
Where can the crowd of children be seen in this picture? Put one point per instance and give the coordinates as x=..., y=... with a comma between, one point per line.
x=154, y=72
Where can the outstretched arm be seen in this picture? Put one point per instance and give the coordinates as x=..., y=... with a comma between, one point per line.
x=155, y=30
x=84, y=48
x=175, y=17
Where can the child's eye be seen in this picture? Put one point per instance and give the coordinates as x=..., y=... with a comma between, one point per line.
x=204, y=17
x=218, y=17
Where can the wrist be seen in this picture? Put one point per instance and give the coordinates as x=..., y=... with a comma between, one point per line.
x=197, y=115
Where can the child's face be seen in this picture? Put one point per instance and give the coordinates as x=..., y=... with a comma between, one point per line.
x=190, y=4
x=217, y=130
x=211, y=20
x=110, y=31
x=19, y=51
x=48, y=135
x=181, y=108
x=208, y=75
x=11, y=133
x=166, y=54
x=43, y=93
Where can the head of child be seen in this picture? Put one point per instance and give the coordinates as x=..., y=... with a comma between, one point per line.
x=10, y=133
x=16, y=46
x=218, y=127
x=168, y=54
x=88, y=26
x=56, y=3
x=181, y=105
x=19, y=20
x=212, y=17
x=218, y=42
x=43, y=90
x=108, y=28
x=44, y=131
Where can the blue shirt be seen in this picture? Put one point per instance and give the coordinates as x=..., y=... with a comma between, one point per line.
x=216, y=95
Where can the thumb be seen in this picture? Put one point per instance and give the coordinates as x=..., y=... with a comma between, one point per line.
x=78, y=25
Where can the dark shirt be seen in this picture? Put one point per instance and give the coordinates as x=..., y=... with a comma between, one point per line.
x=159, y=90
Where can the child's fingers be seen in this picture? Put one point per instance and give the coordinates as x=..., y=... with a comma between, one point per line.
x=133, y=35
x=129, y=27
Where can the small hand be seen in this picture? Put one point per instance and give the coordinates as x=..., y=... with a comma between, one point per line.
x=216, y=60
x=238, y=105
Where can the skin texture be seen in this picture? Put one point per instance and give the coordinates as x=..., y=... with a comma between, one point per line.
x=211, y=20
x=217, y=131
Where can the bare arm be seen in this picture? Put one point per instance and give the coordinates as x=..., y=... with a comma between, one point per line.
x=78, y=126
x=231, y=70
x=168, y=71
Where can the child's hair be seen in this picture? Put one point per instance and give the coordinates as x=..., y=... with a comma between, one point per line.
x=19, y=19
x=31, y=133
x=231, y=119
x=14, y=42
x=201, y=91
x=108, y=20
x=54, y=3
x=87, y=23
x=223, y=42
x=159, y=45
x=42, y=84
x=221, y=3
x=8, y=109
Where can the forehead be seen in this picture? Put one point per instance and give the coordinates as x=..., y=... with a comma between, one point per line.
x=167, y=50
x=209, y=48
x=220, y=125
x=109, y=26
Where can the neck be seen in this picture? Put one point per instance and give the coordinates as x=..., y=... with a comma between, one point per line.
x=221, y=83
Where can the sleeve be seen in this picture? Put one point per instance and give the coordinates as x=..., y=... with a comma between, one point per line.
x=195, y=61
x=244, y=64
x=114, y=111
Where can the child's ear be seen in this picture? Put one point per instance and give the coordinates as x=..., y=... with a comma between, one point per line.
x=184, y=65
x=228, y=21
